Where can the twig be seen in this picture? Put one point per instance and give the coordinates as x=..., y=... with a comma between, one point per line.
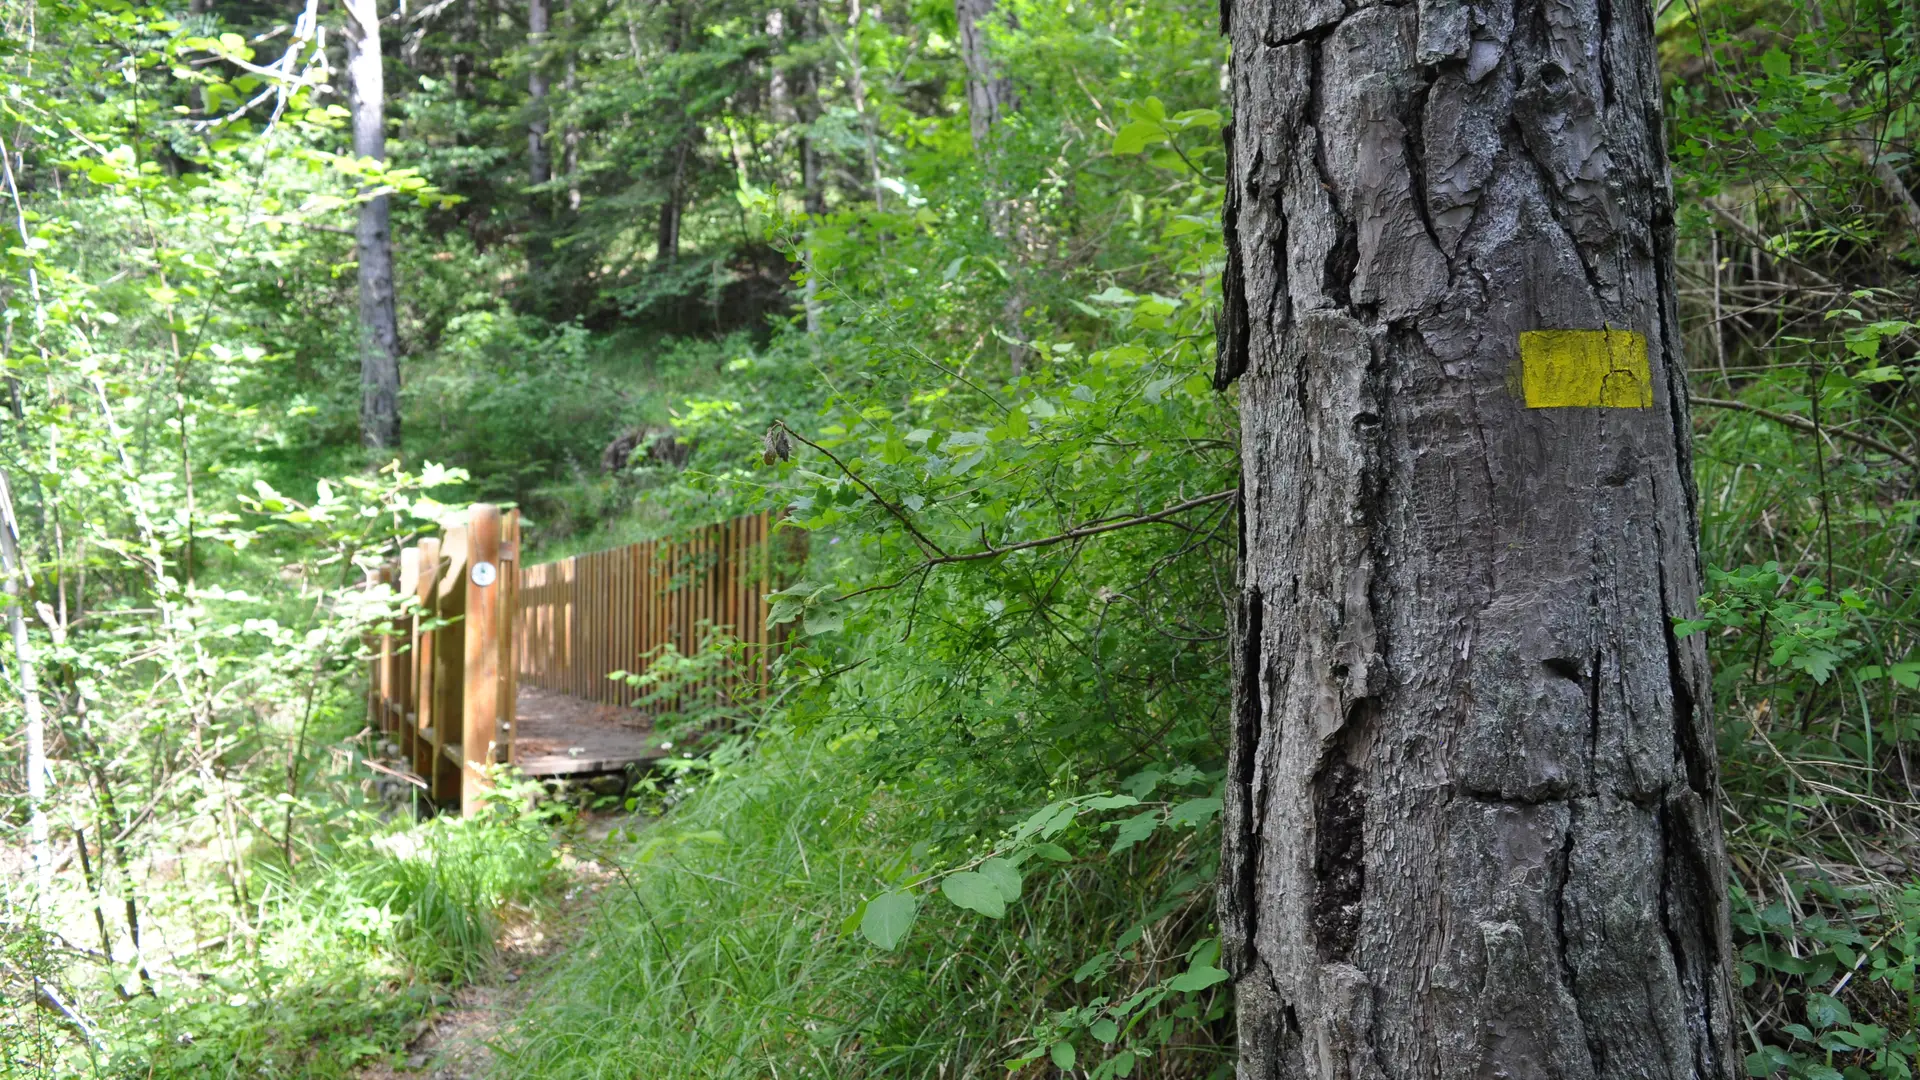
x=1087, y=530
x=1046, y=541
x=868, y=488
x=1753, y=236
x=395, y=773
x=1803, y=424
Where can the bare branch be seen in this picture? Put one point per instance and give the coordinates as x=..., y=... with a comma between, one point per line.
x=1803, y=424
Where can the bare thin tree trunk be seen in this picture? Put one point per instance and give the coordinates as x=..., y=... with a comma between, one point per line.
x=539, y=156
x=373, y=239
x=989, y=91
x=667, y=236
x=812, y=191
x=466, y=39
x=857, y=87
x=571, y=136
x=1472, y=814
x=990, y=98
x=26, y=679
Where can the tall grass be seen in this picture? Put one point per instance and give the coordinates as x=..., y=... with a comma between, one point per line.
x=346, y=953
x=725, y=949
x=1813, y=606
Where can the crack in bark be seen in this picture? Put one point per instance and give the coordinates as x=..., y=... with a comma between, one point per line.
x=1593, y=717
x=1238, y=899
x=1673, y=853
x=1231, y=329
x=1569, y=978
x=1698, y=768
x=1550, y=196
x=1280, y=302
x=1415, y=146
x=1604, y=10
x=1340, y=850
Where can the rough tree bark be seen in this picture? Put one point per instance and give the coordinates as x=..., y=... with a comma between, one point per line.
x=1472, y=814
x=990, y=97
x=373, y=239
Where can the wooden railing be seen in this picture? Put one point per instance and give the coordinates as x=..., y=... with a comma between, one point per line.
x=443, y=685
x=585, y=617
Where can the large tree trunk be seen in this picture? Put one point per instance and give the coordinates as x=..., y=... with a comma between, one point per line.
x=373, y=238
x=1472, y=809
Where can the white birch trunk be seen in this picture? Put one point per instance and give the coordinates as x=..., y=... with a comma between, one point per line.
x=373, y=238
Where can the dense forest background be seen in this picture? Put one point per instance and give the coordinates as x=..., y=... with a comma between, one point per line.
x=939, y=277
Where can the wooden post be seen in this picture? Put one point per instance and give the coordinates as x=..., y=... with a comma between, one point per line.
x=450, y=595
x=391, y=690
x=420, y=741
x=481, y=705
x=406, y=700
x=370, y=639
x=509, y=630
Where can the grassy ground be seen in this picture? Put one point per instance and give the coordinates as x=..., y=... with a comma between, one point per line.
x=727, y=946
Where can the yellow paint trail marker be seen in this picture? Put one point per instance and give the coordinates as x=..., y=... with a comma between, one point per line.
x=1603, y=369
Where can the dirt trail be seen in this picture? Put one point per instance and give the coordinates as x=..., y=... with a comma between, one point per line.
x=454, y=1042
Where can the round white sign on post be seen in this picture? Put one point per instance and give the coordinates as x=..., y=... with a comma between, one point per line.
x=484, y=573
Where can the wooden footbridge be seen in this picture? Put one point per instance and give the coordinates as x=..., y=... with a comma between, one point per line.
x=504, y=663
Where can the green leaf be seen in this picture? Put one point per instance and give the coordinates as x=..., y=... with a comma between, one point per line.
x=1111, y=802
x=1005, y=877
x=1147, y=108
x=1198, y=977
x=1136, y=135
x=1776, y=63
x=1825, y=1012
x=1105, y=1030
x=1062, y=1055
x=1193, y=812
x=1052, y=852
x=1206, y=118
x=1135, y=829
x=888, y=917
x=1768, y=1060
x=1041, y=819
x=1093, y=968
x=975, y=892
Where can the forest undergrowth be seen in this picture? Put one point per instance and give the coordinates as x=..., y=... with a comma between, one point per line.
x=776, y=263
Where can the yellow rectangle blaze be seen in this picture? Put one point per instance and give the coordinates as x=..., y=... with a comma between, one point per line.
x=1605, y=369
